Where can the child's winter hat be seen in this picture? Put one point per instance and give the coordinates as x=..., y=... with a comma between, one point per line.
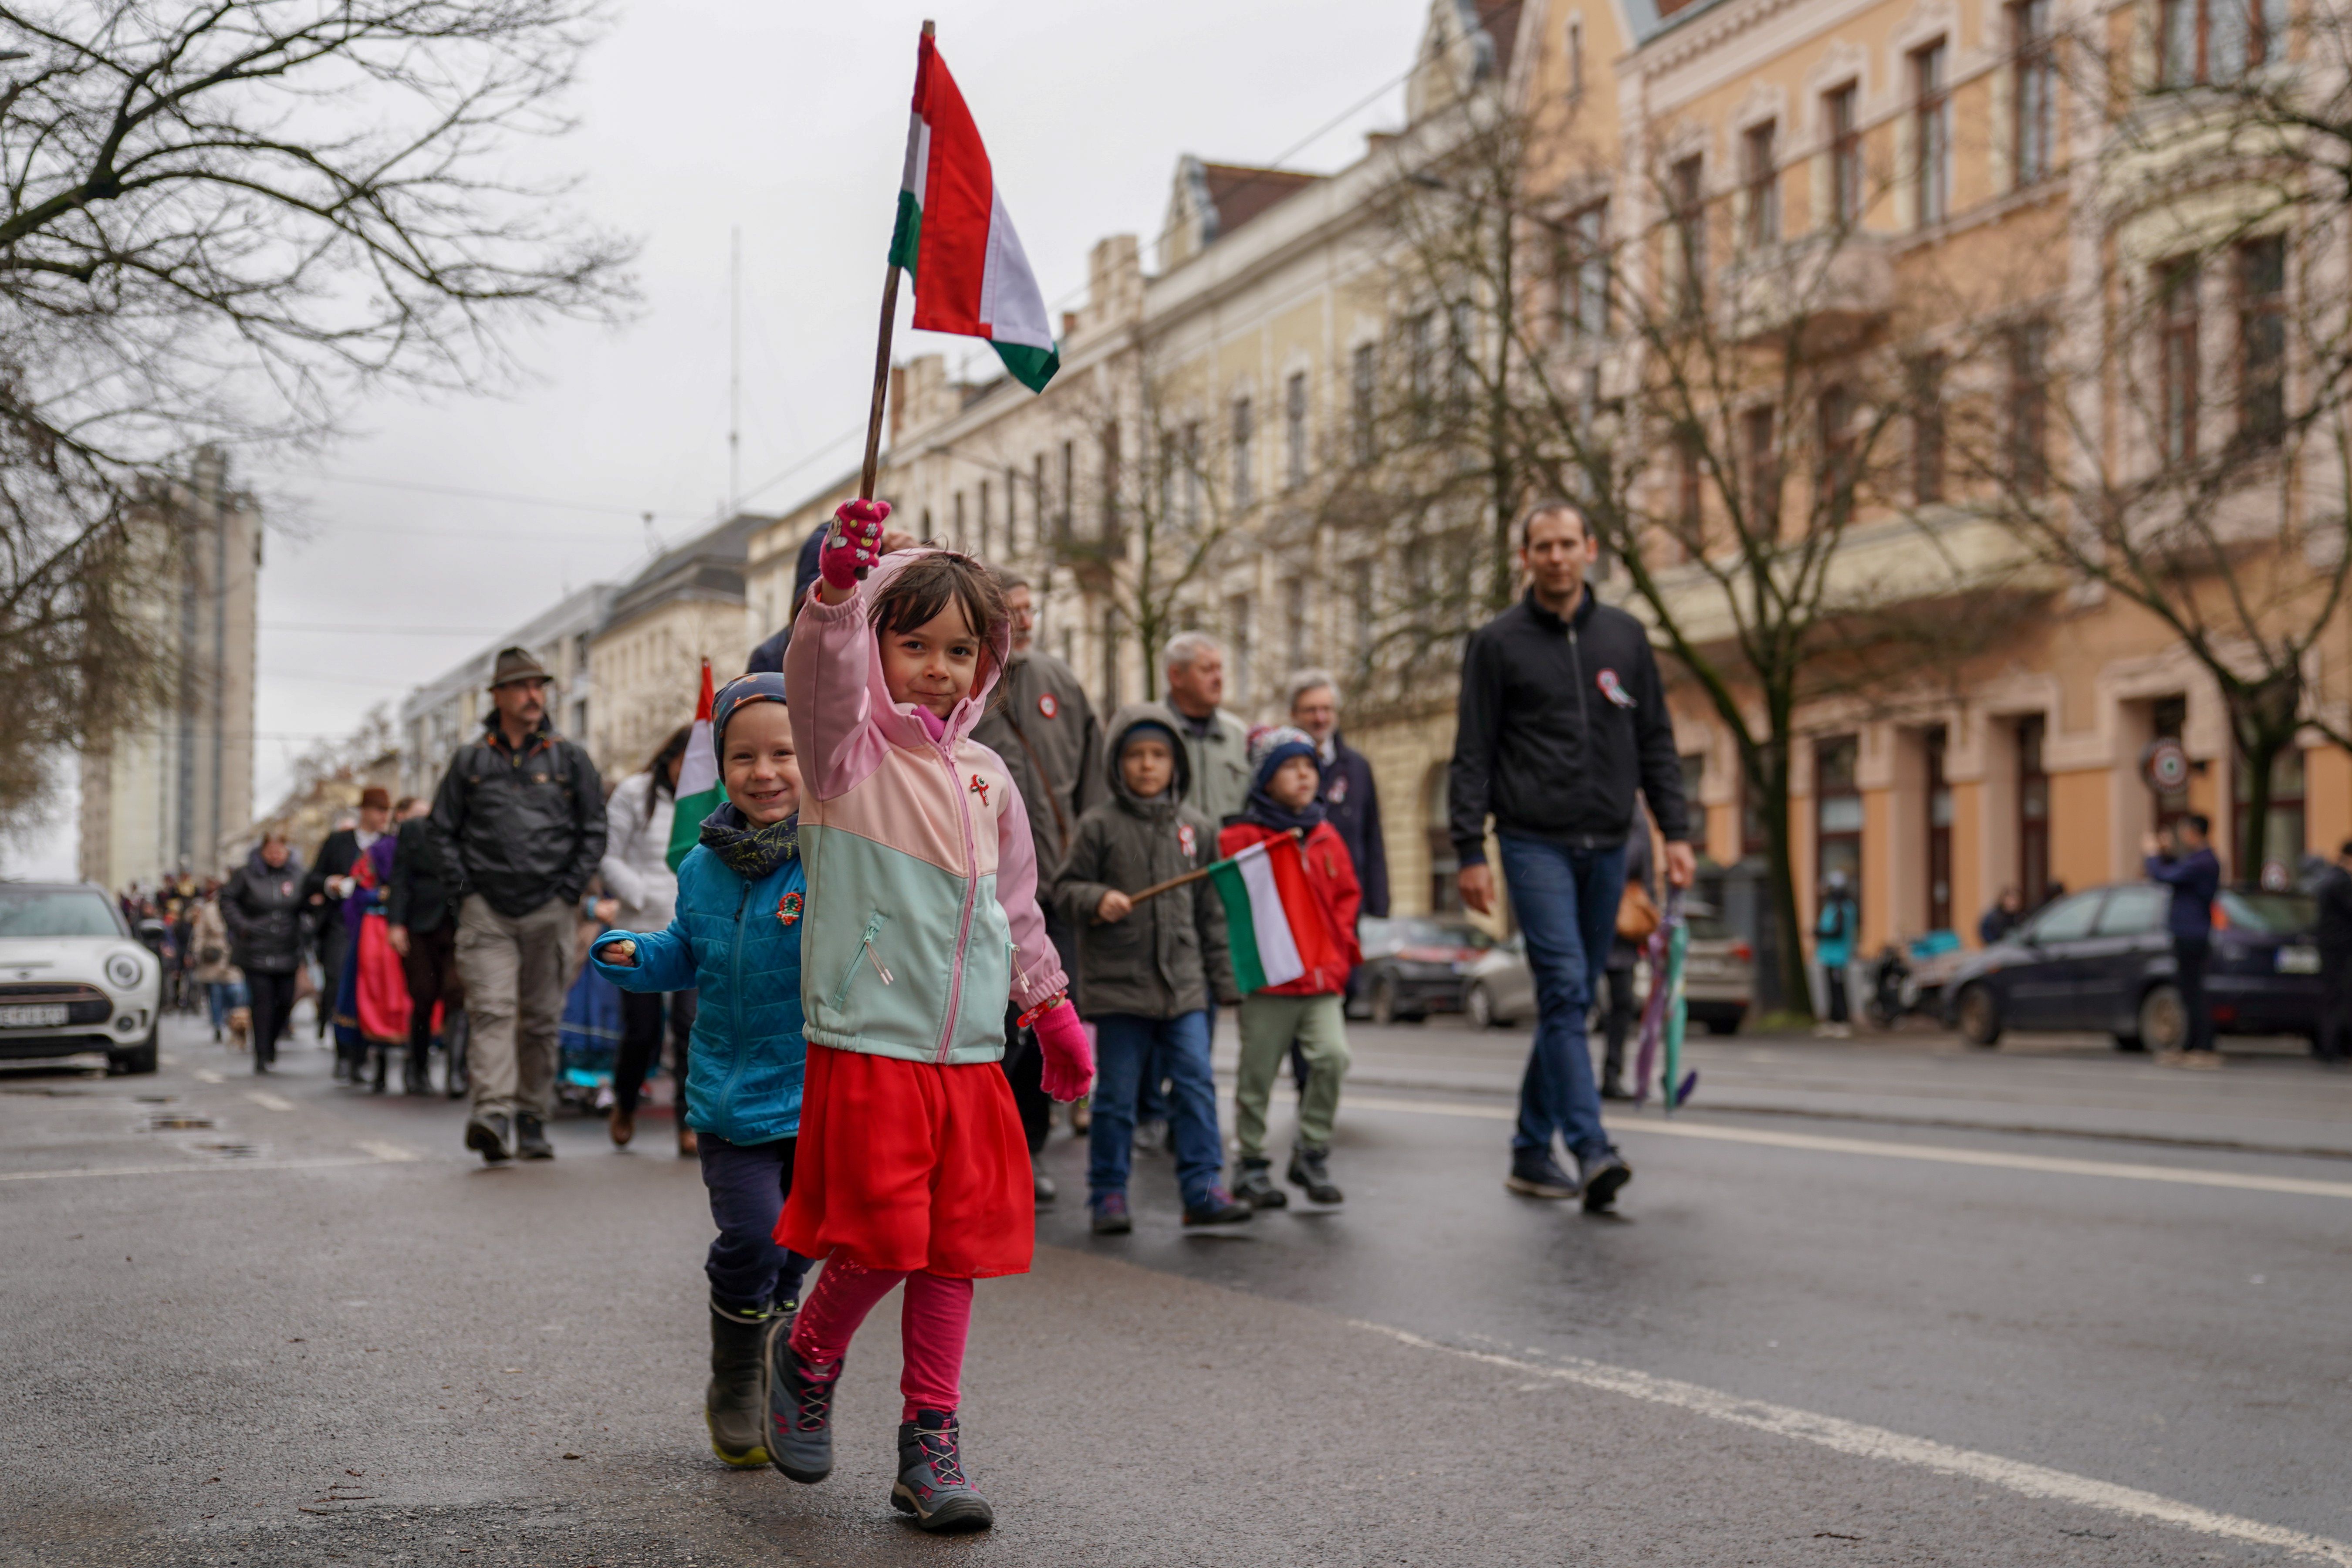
x=1275, y=746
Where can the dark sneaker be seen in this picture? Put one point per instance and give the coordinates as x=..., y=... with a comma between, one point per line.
x=531, y=1138
x=1217, y=1208
x=491, y=1137
x=1110, y=1214
x=1603, y=1173
x=1253, y=1186
x=1306, y=1170
x=800, y=1413
x=931, y=1484
x=1615, y=1090
x=735, y=1404
x=1538, y=1175
x=1042, y=1188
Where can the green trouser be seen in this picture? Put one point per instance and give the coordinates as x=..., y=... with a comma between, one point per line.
x=1269, y=1023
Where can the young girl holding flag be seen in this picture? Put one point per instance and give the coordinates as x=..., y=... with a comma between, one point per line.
x=922, y=921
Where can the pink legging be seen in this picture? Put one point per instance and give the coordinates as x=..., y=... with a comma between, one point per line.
x=932, y=1323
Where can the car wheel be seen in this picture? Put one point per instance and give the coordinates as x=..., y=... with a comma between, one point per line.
x=1384, y=1010
x=139, y=1059
x=1979, y=1017
x=2163, y=1021
x=1724, y=1026
x=1477, y=1006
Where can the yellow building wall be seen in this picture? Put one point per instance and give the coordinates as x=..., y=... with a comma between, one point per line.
x=2078, y=827
x=1969, y=895
x=2327, y=798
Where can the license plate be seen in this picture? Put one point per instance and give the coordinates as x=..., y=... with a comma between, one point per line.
x=37, y=1017
x=2299, y=961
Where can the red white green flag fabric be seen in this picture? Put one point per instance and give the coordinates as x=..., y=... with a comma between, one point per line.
x=954, y=237
x=1273, y=928
x=697, y=789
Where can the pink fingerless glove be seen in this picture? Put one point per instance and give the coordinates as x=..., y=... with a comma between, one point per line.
x=1070, y=1060
x=855, y=543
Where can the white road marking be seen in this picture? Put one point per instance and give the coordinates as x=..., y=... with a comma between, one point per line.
x=325, y=1162
x=1895, y=1448
x=2178, y=1175
x=267, y=1101
x=206, y=1075
x=167, y=1059
x=390, y=1153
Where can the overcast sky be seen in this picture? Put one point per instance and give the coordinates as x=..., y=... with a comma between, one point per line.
x=790, y=123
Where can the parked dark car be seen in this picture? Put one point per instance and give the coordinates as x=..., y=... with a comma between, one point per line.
x=2101, y=959
x=1413, y=966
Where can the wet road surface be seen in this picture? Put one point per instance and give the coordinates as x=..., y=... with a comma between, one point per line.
x=296, y=1325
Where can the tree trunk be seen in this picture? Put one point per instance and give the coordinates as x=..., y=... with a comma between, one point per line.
x=1796, y=990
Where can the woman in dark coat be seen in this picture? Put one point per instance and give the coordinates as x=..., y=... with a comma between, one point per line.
x=262, y=907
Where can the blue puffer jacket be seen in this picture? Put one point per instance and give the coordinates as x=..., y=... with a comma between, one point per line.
x=730, y=940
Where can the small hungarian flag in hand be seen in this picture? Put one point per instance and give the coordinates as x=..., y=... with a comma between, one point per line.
x=1273, y=928
x=955, y=237
x=697, y=789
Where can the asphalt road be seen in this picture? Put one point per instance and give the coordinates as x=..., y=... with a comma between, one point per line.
x=315, y=1331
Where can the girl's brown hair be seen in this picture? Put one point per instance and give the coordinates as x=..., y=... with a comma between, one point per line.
x=929, y=584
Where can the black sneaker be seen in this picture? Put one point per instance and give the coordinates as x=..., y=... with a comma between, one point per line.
x=1535, y=1174
x=1253, y=1186
x=531, y=1138
x=1603, y=1173
x=931, y=1484
x=491, y=1137
x=1217, y=1208
x=1615, y=1090
x=1110, y=1214
x=1306, y=1170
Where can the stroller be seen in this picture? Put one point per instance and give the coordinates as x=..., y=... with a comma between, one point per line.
x=588, y=1044
x=1910, y=978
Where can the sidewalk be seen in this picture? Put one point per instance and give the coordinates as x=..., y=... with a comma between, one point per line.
x=2270, y=1098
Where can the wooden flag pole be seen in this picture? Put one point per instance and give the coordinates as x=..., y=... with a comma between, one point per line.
x=1297, y=834
x=866, y=474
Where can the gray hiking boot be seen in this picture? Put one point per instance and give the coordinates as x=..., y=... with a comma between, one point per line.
x=931, y=1484
x=1253, y=1186
x=735, y=1406
x=1306, y=1170
x=800, y=1413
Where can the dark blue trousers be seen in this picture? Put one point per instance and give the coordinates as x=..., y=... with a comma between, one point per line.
x=748, y=1185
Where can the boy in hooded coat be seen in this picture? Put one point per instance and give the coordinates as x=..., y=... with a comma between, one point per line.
x=1148, y=972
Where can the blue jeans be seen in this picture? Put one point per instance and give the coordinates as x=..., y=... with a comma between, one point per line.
x=748, y=1184
x=1566, y=902
x=223, y=997
x=1124, y=1045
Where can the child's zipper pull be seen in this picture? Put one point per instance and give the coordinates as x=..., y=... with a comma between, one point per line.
x=875, y=960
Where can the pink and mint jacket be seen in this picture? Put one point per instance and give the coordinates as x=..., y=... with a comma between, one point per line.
x=922, y=882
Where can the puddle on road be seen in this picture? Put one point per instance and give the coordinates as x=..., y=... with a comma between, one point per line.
x=232, y=1150
x=177, y=1122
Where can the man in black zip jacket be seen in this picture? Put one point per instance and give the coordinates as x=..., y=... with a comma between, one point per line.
x=1562, y=717
x=519, y=820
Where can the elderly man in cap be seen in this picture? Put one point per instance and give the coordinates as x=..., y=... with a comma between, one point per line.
x=519, y=821
x=324, y=890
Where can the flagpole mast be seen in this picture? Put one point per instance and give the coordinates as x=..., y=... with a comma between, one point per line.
x=865, y=475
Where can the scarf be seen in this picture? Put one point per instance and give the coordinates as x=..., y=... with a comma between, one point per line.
x=752, y=853
x=1269, y=752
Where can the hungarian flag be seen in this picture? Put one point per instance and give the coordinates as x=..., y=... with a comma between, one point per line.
x=955, y=238
x=1274, y=927
x=698, y=781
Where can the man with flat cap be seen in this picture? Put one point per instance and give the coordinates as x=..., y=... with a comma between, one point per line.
x=519, y=822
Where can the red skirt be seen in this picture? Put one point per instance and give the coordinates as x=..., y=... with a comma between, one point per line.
x=910, y=1165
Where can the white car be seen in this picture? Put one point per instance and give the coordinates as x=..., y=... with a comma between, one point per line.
x=73, y=979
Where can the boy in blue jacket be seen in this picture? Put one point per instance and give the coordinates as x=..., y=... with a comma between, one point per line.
x=736, y=939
